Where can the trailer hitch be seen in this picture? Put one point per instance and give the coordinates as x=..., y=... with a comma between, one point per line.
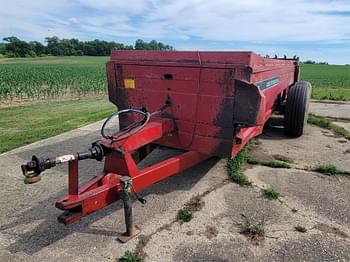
x=32, y=169
x=121, y=176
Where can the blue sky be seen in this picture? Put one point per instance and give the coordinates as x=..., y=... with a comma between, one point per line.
x=312, y=29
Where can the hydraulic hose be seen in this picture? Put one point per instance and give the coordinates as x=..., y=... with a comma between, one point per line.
x=140, y=124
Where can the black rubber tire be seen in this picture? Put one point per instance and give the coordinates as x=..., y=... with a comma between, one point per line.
x=297, y=106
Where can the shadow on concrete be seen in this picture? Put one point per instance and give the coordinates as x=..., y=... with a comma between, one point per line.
x=274, y=129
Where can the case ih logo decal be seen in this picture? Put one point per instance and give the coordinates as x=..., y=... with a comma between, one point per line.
x=268, y=83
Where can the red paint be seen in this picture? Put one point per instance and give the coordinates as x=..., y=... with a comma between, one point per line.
x=202, y=91
x=103, y=189
x=73, y=179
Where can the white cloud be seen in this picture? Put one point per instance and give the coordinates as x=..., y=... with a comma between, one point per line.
x=243, y=20
x=118, y=6
x=268, y=20
x=73, y=21
x=253, y=21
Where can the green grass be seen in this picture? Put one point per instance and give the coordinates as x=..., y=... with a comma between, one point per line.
x=327, y=169
x=326, y=123
x=234, y=167
x=24, y=124
x=330, y=170
x=269, y=163
x=129, y=257
x=326, y=76
x=270, y=194
x=336, y=94
x=330, y=82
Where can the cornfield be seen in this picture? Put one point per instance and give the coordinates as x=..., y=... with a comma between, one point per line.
x=326, y=76
x=49, y=77
x=48, y=80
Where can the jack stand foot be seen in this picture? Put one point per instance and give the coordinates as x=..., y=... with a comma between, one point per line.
x=31, y=179
x=125, y=237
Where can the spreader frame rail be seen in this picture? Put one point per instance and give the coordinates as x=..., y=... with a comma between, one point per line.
x=105, y=188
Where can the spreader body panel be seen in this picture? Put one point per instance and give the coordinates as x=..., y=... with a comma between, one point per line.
x=213, y=95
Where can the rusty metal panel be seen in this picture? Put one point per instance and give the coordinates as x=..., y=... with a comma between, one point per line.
x=247, y=104
x=210, y=92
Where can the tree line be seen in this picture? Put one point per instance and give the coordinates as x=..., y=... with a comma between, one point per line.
x=14, y=47
x=311, y=62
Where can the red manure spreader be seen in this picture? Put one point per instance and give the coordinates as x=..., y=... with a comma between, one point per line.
x=203, y=103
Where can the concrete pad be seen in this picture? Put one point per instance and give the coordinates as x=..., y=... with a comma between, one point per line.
x=29, y=230
x=317, y=146
x=311, y=248
x=308, y=191
x=330, y=109
x=343, y=124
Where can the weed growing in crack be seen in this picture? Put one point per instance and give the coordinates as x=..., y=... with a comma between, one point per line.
x=269, y=163
x=270, y=194
x=283, y=158
x=129, y=257
x=184, y=215
x=300, y=228
x=326, y=123
x=234, y=167
x=329, y=169
x=195, y=204
x=254, y=230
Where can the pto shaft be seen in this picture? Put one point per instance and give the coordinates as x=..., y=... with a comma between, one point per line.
x=33, y=168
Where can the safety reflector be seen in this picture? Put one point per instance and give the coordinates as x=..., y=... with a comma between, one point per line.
x=129, y=83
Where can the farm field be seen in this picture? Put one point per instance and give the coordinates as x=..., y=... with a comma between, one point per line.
x=331, y=82
x=23, y=79
x=47, y=77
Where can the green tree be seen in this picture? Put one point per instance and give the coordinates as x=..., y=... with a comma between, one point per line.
x=37, y=47
x=2, y=48
x=15, y=47
x=52, y=45
x=152, y=45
